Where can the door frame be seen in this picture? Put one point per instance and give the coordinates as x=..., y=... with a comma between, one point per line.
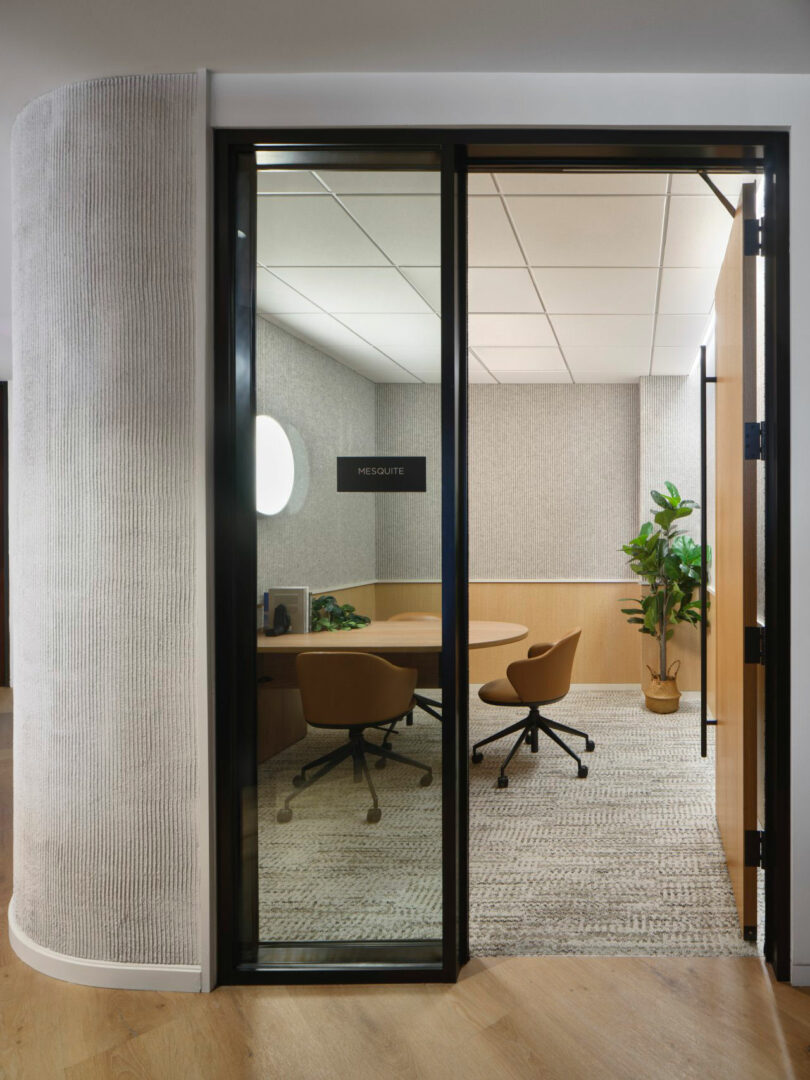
x=486, y=149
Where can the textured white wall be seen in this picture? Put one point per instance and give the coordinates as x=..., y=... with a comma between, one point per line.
x=322, y=538
x=553, y=475
x=669, y=441
x=102, y=521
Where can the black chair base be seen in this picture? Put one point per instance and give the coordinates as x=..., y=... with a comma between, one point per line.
x=356, y=748
x=528, y=730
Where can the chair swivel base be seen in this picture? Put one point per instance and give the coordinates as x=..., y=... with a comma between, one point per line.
x=356, y=748
x=527, y=732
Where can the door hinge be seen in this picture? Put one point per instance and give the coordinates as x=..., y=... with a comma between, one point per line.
x=754, y=440
x=754, y=645
x=754, y=236
x=754, y=847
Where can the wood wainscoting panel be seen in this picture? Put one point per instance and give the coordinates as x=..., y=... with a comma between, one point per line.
x=363, y=598
x=609, y=650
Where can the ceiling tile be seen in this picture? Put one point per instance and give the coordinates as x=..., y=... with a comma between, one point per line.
x=501, y=289
x=347, y=288
x=534, y=377
x=582, y=183
x=285, y=181
x=609, y=331
x=408, y=339
x=427, y=280
x=594, y=231
x=610, y=361
x=330, y=337
x=692, y=184
x=476, y=371
x=273, y=295
x=618, y=290
x=674, y=361
x=697, y=231
x=357, y=182
x=526, y=359
x=581, y=377
x=509, y=330
x=311, y=230
x=407, y=227
x=481, y=184
x=491, y=241
x=426, y=368
x=686, y=331
x=687, y=291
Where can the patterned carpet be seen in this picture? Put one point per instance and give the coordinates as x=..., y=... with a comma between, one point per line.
x=627, y=862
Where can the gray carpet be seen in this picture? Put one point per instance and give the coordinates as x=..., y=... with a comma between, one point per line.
x=626, y=862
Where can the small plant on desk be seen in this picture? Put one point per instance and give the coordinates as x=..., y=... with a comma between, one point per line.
x=328, y=614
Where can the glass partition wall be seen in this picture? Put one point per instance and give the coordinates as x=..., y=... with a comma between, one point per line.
x=344, y=719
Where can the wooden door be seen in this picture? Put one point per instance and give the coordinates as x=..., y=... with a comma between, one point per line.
x=735, y=561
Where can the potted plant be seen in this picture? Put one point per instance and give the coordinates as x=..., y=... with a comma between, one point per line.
x=669, y=563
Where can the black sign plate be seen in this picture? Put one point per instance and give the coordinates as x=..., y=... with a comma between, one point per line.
x=381, y=474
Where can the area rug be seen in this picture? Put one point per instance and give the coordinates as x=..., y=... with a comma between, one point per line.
x=626, y=862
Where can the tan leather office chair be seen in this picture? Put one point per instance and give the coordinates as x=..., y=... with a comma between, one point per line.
x=428, y=705
x=542, y=679
x=354, y=691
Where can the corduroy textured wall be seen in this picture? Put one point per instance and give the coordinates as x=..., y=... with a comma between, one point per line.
x=102, y=546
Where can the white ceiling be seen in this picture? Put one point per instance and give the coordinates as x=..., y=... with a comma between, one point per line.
x=572, y=277
x=50, y=43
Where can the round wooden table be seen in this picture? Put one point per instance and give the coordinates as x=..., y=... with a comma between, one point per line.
x=419, y=636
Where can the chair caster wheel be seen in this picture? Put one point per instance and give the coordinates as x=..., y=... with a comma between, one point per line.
x=380, y=763
x=426, y=780
x=582, y=772
x=589, y=745
x=298, y=781
x=374, y=815
x=477, y=757
x=503, y=781
x=283, y=816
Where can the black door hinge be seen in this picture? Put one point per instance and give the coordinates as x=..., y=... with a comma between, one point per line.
x=754, y=645
x=754, y=440
x=754, y=236
x=754, y=847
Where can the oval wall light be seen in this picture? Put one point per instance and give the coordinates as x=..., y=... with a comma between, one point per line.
x=275, y=467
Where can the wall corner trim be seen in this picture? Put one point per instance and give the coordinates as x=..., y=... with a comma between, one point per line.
x=104, y=973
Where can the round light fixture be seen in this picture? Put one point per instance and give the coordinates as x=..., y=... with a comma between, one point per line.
x=275, y=467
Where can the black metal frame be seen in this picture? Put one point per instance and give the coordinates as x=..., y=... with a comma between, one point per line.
x=479, y=150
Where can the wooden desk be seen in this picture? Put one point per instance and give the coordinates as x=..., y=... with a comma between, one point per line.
x=414, y=644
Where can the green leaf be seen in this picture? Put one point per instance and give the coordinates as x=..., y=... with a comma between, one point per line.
x=662, y=500
x=672, y=490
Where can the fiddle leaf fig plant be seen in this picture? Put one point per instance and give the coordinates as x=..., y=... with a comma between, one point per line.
x=328, y=614
x=669, y=562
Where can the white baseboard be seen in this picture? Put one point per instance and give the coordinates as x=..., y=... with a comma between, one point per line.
x=800, y=975
x=106, y=973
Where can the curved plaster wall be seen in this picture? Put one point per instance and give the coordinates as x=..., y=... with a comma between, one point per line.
x=103, y=527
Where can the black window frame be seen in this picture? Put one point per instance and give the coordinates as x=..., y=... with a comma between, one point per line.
x=462, y=149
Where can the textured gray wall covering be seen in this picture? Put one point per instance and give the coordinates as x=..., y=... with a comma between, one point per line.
x=322, y=539
x=553, y=482
x=669, y=440
x=102, y=543
x=409, y=529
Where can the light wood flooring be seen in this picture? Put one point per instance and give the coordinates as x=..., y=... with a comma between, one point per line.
x=548, y=1018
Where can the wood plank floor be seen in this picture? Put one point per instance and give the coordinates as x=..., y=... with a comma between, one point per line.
x=545, y=1018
